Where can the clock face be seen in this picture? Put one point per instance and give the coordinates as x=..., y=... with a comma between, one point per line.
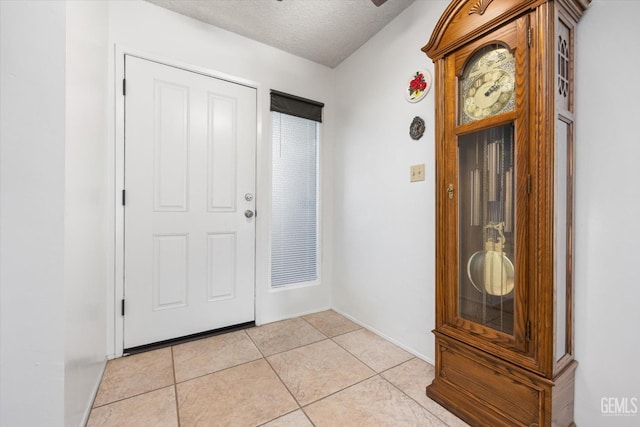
x=487, y=87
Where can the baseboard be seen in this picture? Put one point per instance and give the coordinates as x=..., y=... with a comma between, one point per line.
x=87, y=411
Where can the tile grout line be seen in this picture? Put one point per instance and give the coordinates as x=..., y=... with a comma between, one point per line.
x=327, y=337
x=376, y=373
x=354, y=355
x=402, y=363
x=307, y=417
x=127, y=397
x=284, y=415
x=412, y=399
x=341, y=390
x=254, y=343
x=310, y=324
x=219, y=370
x=175, y=386
x=330, y=394
x=365, y=363
x=406, y=394
x=300, y=407
x=133, y=395
x=379, y=374
x=283, y=383
x=279, y=379
x=293, y=348
x=358, y=327
x=223, y=369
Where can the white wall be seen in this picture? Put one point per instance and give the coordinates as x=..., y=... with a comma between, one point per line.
x=53, y=132
x=384, y=257
x=143, y=27
x=607, y=211
x=32, y=204
x=85, y=197
x=384, y=226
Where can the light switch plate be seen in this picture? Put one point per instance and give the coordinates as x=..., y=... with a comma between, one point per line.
x=417, y=173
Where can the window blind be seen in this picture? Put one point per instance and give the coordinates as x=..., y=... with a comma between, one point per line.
x=294, y=215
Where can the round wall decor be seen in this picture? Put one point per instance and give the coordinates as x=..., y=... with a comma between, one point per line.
x=418, y=86
x=417, y=128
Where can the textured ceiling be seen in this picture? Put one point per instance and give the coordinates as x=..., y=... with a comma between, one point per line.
x=323, y=31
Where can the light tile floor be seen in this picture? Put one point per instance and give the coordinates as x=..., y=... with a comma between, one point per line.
x=316, y=370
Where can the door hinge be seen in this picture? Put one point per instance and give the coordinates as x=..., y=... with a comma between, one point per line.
x=124, y=87
x=527, y=330
x=528, y=183
x=122, y=308
x=529, y=36
x=124, y=197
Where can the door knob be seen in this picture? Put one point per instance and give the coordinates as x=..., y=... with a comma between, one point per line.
x=248, y=213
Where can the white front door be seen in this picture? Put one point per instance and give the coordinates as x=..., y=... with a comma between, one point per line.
x=190, y=144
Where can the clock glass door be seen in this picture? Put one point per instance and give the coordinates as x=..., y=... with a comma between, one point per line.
x=489, y=137
x=486, y=227
x=486, y=171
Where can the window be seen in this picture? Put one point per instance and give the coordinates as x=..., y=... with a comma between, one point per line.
x=294, y=190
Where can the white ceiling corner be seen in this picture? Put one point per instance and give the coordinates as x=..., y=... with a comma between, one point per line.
x=323, y=31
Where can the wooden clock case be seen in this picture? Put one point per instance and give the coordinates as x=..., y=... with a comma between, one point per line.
x=521, y=372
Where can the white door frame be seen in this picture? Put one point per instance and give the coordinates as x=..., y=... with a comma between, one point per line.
x=115, y=156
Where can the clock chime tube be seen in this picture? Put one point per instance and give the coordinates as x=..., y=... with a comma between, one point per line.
x=476, y=191
x=492, y=171
x=508, y=205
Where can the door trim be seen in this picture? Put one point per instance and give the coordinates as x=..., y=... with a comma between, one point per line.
x=115, y=177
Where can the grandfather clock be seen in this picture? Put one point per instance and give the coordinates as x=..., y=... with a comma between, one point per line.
x=504, y=210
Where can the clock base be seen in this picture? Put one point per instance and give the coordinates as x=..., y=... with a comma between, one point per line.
x=484, y=390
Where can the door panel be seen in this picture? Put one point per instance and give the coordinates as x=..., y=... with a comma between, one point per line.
x=190, y=145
